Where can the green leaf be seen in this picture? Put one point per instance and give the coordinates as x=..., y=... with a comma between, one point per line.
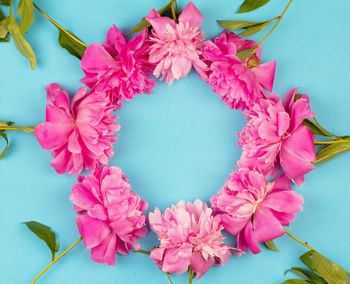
x=308, y=275
x=22, y=45
x=295, y=281
x=331, y=151
x=5, y=39
x=71, y=43
x=317, y=129
x=3, y=135
x=236, y=25
x=5, y=2
x=4, y=29
x=271, y=245
x=44, y=232
x=244, y=54
x=165, y=12
x=328, y=270
x=254, y=29
x=250, y=5
x=26, y=9
x=1, y=15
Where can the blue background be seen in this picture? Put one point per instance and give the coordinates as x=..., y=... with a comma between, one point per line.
x=178, y=143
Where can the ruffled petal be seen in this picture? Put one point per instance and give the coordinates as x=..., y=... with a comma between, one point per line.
x=266, y=226
x=297, y=153
x=190, y=14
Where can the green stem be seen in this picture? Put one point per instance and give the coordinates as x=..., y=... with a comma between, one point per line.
x=167, y=274
x=148, y=253
x=28, y=129
x=274, y=27
x=56, y=259
x=331, y=142
x=304, y=244
x=173, y=9
x=10, y=7
x=190, y=275
x=59, y=27
x=299, y=241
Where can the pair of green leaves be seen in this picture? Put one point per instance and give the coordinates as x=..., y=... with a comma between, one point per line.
x=10, y=26
x=321, y=271
x=331, y=151
x=46, y=234
x=164, y=12
x=250, y=28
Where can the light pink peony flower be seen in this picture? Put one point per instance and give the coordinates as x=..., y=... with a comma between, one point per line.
x=119, y=68
x=80, y=134
x=238, y=85
x=275, y=133
x=190, y=236
x=254, y=209
x=175, y=47
x=110, y=215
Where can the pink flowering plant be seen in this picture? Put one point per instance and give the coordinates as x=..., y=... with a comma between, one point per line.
x=257, y=200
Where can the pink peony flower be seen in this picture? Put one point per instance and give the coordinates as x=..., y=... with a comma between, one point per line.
x=119, y=68
x=190, y=236
x=254, y=209
x=80, y=134
x=237, y=84
x=175, y=47
x=110, y=215
x=275, y=132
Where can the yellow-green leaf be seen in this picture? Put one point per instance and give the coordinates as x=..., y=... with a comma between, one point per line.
x=71, y=43
x=317, y=129
x=26, y=9
x=271, y=245
x=254, y=29
x=22, y=45
x=331, y=151
x=4, y=27
x=244, y=54
x=44, y=233
x=250, y=5
x=236, y=25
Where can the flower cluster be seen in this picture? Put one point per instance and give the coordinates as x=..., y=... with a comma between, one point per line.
x=190, y=236
x=79, y=133
x=110, y=215
x=250, y=205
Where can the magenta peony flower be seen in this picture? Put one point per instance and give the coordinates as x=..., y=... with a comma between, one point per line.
x=190, y=236
x=119, y=68
x=175, y=47
x=237, y=84
x=275, y=132
x=110, y=215
x=80, y=135
x=254, y=209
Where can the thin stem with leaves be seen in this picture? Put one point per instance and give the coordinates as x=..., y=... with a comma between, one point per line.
x=304, y=244
x=60, y=27
x=274, y=27
x=56, y=259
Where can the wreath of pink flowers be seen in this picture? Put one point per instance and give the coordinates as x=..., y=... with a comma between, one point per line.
x=109, y=215
x=257, y=199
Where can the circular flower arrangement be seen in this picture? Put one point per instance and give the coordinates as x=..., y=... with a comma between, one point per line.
x=255, y=202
